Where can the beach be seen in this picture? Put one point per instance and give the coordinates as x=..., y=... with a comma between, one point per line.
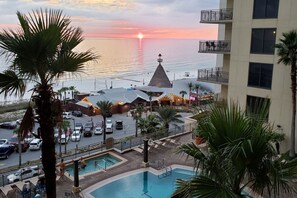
x=129, y=63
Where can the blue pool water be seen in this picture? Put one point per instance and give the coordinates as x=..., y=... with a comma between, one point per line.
x=144, y=184
x=103, y=162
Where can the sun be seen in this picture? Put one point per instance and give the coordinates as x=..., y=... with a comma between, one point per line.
x=140, y=36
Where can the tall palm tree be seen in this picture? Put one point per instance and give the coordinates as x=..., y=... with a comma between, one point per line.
x=196, y=87
x=150, y=95
x=72, y=89
x=41, y=51
x=105, y=108
x=183, y=93
x=149, y=124
x=287, y=51
x=190, y=85
x=137, y=115
x=167, y=115
x=240, y=154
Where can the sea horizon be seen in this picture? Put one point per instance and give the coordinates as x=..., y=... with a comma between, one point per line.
x=127, y=62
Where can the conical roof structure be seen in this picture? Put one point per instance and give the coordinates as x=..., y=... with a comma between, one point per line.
x=160, y=79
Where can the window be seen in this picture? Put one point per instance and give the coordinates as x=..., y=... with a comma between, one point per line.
x=260, y=75
x=254, y=104
x=265, y=9
x=263, y=41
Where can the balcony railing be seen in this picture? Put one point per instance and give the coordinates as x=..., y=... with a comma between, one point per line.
x=216, y=16
x=219, y=46
x=213, y=75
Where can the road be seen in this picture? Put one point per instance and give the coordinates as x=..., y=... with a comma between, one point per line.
x=128, y=130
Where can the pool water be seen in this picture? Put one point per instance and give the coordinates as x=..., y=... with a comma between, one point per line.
x=102, y=162
x=144, y=184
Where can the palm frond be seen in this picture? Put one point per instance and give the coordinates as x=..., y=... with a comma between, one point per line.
x=11, y=83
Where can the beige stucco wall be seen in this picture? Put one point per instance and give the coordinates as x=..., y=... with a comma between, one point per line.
x=280, y=94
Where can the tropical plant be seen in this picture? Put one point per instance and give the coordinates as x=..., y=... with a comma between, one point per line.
x=196, y=87
x=167, y=115
x=240, y=155
x=150, y=95
x=137, y=115
x=105, y=108
x=183, y=93
x=190, y=85
x=73, y=90
x=148, y=125
x=40, y=52
x=287, y=51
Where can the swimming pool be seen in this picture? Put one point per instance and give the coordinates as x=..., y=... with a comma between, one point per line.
x=142, y=184
x=102, y=163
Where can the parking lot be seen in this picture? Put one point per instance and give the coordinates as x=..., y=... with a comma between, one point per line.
x=30, y=155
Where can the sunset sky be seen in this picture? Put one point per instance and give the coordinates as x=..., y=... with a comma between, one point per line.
x=123, y=18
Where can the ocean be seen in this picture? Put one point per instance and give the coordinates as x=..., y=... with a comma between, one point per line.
x=130, y=62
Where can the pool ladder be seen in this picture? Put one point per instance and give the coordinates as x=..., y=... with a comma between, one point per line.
x=167, y=172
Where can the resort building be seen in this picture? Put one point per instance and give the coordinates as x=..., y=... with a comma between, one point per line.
x=247, y=67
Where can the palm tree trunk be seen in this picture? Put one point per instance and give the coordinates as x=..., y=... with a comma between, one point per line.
x=20, y=150
x=44, y=104
x=104, y=129
x=293, y=88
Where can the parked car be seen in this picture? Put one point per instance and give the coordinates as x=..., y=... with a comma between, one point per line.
x=35, y=144
x=23, y=173
x=29, y=138
x=98, y=130
x=77, y=113
x=119, y=125
x=79, y=126
x=75, y=136
x=109, y=126
x=8, y=125
x=15, y=142
x=88, y=132
x=3, y=142
x=6, y=150
x=64, y=139
x=66, y=115
x=89, y=124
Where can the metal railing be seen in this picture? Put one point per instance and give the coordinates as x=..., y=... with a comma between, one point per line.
x=215, y=46
x=216, y=16
x=214, y=75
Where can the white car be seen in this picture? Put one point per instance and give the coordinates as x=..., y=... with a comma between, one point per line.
x=98, y=130
x=23, y=173
x=3, y=142
x=66, y=115
x=109, y=126
x=35, y=144
x=75, y=136
x=29, y=138
x=64, y=139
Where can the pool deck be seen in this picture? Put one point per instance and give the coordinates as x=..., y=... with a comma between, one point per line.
x=157, y=156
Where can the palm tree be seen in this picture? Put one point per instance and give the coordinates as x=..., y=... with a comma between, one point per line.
x=287, y=51
x=196, y=87
x=137, y=115
x=149, y=124
x=150, y=95
x=190, y=85
x=41, y=51
x=240, y=154
x=166, y=115
x=105, y=108
x=72, y=89
x=182, y=92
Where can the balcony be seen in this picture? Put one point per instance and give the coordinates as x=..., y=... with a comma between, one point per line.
x=216, y=16
x=213, y=75
x=216, y=47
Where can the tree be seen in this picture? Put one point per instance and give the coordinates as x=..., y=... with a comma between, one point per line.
x=105, y=108
x=240, y=154
x=150, y=95
x=73, y=90
x=166, y=115
x=287, y=51
x=137, y=115
x=40, y=52
x=196, y=87
x=190, y=85
x=182, y=92
x=149, y=124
